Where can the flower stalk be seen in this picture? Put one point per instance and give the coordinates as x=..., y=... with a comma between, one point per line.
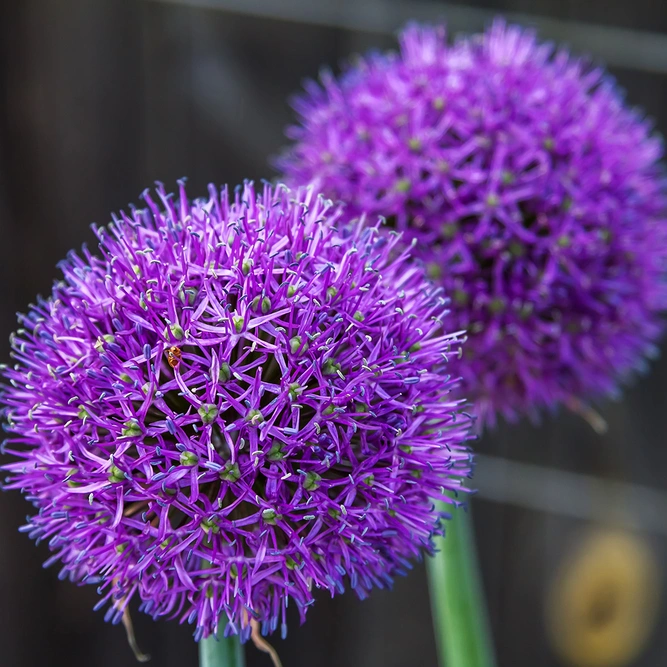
x=224, y=652
x=460, y=620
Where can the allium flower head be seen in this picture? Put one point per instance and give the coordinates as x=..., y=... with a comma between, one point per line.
x=534, y=193
x=233, y=405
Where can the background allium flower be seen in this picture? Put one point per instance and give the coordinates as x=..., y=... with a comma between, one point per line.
x=534, y=193
x=234, y=405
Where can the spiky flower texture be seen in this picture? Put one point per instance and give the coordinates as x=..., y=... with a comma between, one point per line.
x=233, y=405
x=535, y=194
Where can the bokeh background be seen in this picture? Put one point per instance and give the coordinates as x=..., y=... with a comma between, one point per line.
x=100, y=98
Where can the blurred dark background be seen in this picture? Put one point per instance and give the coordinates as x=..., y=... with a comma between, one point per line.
x=100, y=98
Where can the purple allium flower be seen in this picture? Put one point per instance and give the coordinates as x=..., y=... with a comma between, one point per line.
x=236, y=404
x=535, y=195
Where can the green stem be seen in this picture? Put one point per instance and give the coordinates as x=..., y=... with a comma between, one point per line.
x=224, y=652
x=461, y=624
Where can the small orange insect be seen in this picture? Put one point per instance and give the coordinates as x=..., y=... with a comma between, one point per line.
x=174, y=356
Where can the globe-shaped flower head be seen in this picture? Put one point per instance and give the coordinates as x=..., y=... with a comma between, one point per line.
x=234, y=405
x=534, y=193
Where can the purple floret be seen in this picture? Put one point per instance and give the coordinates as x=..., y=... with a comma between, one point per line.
x=236, y=404
x=535, y=195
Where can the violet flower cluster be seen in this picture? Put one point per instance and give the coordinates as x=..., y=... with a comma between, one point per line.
x=233, y=405
x=534, y=192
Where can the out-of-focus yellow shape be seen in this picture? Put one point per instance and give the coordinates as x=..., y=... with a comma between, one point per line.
x=603, y=602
